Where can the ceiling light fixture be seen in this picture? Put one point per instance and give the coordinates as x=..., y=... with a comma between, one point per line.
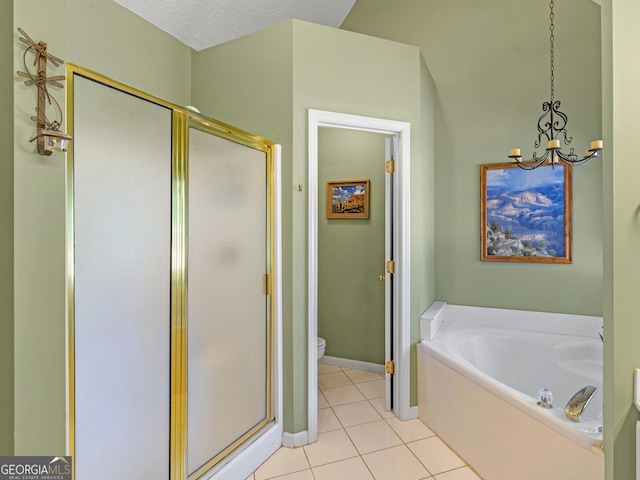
x=552, y=124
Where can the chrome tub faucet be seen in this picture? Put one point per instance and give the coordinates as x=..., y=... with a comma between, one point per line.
x=576, y=405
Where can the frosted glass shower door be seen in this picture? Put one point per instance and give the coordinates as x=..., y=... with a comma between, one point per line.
x=228, y=320
x=121, y=304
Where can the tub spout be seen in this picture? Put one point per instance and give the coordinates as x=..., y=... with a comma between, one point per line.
x=574, y=407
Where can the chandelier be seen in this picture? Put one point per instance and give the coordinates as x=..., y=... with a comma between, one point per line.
x=552, y=124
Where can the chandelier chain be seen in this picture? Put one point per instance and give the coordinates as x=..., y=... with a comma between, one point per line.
x=551, y=49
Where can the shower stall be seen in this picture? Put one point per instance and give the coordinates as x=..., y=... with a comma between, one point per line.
x=173, y=311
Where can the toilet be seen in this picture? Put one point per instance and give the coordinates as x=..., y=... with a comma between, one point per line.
x=322, y=343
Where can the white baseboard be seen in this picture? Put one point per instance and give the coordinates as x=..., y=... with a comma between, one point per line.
x=413, y=412
x=353, y=364
x=293, y=440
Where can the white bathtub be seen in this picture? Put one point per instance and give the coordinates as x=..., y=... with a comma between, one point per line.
x=479, y=373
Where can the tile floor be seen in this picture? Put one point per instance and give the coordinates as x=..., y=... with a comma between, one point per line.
x=359, y=440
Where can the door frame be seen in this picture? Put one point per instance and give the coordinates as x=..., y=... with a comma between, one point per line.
x=401, y=235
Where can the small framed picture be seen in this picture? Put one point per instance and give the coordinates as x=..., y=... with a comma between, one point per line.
x=526, y=214
x=348, y=199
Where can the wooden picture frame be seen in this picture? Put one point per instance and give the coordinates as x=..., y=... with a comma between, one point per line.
x=526, y=215
x=348, y=199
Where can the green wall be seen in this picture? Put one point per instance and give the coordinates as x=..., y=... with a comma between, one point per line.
x=609, y=393
x=351, y=252
x=621, y=43
x=6, y=232
x=490, y=63
x=265, y=83
x=423, y=215
x=109, y=39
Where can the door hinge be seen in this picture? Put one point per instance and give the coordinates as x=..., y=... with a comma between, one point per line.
x=267, y=284
x=390, y=166
x=390, y=367
x=391, y=266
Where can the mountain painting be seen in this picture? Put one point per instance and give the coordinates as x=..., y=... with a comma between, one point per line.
x=349, y=199
x=526, y=214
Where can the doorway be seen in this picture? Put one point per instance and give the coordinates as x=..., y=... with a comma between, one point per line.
x=397, y=335
x=351, y=248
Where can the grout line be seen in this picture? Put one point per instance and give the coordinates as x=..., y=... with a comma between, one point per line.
x=308, y=462
x=419, y=461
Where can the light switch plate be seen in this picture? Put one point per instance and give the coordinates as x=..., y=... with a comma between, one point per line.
x=636, y=388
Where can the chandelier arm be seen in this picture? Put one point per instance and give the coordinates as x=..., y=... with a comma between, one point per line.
x=567, y=157
x=573, y=159
x=578, y=162
x=535, y=162
x=536, y=158
x=528, y=164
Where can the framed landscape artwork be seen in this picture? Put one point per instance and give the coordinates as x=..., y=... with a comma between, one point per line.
x=348, y=199
x=526, y=214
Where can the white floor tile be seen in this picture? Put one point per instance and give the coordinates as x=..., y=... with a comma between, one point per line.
x=359, y=376
x=327, y=421
x=342, y=395
x=410, y=430
x=373, y=389
x=322, y=369
x=285, y=460
x=356, y=413
x=370, y=437
x=464, y=473
x=330, y=380
x=435, y=455
x=322, y=402
x=379, y=405
x=351, y=469
x=396, y=463
x=330, y=447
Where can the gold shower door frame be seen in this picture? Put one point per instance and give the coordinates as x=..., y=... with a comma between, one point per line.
x=182, y=121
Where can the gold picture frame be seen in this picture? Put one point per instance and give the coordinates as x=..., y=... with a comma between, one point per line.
x=526, y=215
x=348, y=199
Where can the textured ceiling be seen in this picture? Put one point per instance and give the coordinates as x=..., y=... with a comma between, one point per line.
x=204, y=23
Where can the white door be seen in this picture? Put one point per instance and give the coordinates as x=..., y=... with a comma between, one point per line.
x=389, y=270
